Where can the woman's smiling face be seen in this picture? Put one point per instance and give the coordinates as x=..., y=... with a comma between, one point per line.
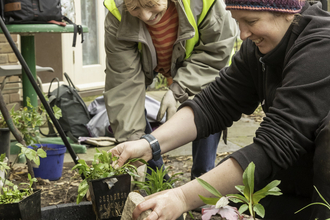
x=149, y=11
x=265, y=29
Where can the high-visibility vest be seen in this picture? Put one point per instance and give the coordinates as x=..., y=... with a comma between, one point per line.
x=190, y=44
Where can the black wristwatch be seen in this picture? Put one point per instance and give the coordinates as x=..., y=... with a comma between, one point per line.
x=154, y=146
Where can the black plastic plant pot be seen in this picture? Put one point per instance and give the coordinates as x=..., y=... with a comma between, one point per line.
x=5, y=141
x=109, y=196
x=27, y=209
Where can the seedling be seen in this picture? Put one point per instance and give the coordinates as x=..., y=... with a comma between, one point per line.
x=27, y=119
x=250, y=199
x=155, y=181
x=102, y=167
x=11, y=192
x=326, y=204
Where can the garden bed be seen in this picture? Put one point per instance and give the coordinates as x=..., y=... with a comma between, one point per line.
x=60, y=195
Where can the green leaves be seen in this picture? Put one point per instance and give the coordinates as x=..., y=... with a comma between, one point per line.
x=101, y=168
x=249, y=198
x=28, y=119
x=155, y=181
x=270, y=189
x=248, y=181
x=31, y=154
x=82, y=190
x=3, y=163
x=209, y=201
x=325, y=203
x=31, y=180
x=11, y=193
x=209, y=188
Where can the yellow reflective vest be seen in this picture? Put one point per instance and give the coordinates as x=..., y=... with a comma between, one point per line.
x=111, y=6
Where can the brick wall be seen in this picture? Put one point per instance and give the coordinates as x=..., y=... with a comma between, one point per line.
x=11, y=92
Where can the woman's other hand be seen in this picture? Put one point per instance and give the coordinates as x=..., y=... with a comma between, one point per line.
x=132, y=149
x=165, y=205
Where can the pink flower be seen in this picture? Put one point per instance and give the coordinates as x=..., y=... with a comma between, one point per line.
x=228, y=212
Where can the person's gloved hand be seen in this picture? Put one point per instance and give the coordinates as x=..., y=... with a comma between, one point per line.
x=168, y=105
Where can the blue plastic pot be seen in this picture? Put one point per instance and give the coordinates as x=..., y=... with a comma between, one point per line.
x=51, y=167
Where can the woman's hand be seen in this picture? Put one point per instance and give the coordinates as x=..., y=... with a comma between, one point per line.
x=165, y=205
x=132, y=149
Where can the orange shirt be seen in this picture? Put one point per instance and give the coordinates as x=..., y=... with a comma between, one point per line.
x=163, y=35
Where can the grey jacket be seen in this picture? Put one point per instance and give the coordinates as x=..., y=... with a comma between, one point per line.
x=129, y=71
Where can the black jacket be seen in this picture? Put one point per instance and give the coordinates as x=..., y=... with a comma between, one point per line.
x=292, y=82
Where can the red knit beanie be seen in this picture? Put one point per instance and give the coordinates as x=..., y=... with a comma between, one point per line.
x=286, y=6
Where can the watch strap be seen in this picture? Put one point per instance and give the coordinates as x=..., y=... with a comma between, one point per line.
x=154, y=146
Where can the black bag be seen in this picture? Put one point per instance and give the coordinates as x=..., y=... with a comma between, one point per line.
x=75, y=114
x=32, y=11
x=37, y=12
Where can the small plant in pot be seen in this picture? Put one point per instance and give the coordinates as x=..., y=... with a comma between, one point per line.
x=108, y=186
x=155, y=181
x=17, y=201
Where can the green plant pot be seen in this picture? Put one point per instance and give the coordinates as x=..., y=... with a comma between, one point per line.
x=109, y=203
x=27, y=209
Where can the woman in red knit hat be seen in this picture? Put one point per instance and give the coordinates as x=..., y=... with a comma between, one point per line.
x=283, y=64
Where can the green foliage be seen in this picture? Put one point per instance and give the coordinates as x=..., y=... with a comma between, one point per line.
x=211, y=189
x=27, y=119
x=250, y=199
x=326, y=204
x=32, y=154
x=155, y=181
x=10, y=192
x=102, y=167
x=3, y=164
